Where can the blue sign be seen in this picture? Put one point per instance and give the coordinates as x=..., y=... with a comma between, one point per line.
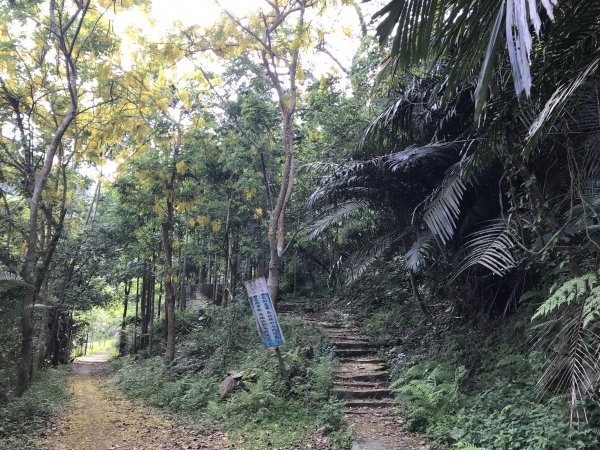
x=264, y=312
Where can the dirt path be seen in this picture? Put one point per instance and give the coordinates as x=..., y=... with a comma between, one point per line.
x=99, y=418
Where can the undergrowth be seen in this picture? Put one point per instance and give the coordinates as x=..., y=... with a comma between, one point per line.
x=22, y=419
x=263, y=411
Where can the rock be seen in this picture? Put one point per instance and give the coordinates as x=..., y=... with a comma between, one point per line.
x=237, y=375
x=292, y=370
x=308, y=352
x=298, y=380
x=228, y=386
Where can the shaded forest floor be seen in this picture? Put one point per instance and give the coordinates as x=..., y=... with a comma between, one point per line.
x=98, y=417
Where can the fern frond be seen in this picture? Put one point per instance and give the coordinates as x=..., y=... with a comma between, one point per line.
x=467, y=446
x=591, y=307
x=571, y=291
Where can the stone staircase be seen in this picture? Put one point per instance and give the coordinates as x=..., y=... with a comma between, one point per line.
x=361, y=377
x=361, y=380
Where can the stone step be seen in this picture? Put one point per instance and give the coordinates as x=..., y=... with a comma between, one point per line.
x=361, y=385
x=341, y=330
x=354, y=352
x=345, y=338
x=330, y=325
x=355, y=393
x=374, y=360
x=378, y=411
x=353, y=344
x=356, y=405
x=350, y=377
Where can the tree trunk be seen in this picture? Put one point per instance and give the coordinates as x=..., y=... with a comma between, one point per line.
x=151, y=304
x=143, y=308
x=29, y=265
x=45, y=328
x=123, y=334
x=169, y=291
x=228, y=250
x=276, y=233
x=137, y=304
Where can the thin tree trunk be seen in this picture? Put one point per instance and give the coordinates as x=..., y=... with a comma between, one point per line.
x=151, y=299
x=169, y=291
x=228, y=252
x=137, y=302
x=45, y=327
x=143, y=304
x=182, y=281
x=123, y=334
x=160, y=292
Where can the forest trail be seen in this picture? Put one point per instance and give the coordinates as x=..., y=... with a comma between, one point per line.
x=99, y=418
x=362, y=381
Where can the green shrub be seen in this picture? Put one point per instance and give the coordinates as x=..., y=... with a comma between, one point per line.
x=428, y=394
x=23, y=418
x=496, y=407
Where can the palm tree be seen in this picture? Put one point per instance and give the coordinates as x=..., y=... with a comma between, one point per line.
x=488, y=158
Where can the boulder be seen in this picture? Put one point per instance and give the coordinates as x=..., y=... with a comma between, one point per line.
x=228, y=386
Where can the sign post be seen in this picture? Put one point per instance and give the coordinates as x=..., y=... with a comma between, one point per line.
x=266, y=319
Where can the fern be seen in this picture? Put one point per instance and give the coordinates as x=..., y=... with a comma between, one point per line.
x=591, y=307
x=574, y=356
x=572, y=291
x=467, y=446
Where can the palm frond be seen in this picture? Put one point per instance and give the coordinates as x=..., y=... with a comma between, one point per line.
x=318, y=167
x=403, y=118
x=573, y=359
x=443, y=206
x=9, y=280
x=415, y=257
x=491, y=247
x=340, y=213
x=370, y=252
x=413, y=22
x=557, y=103
x=427, y=30
x=409, y=158
x=487, y=67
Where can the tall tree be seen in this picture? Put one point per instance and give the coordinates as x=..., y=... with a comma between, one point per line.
x=276, y=35
x=41, y=97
